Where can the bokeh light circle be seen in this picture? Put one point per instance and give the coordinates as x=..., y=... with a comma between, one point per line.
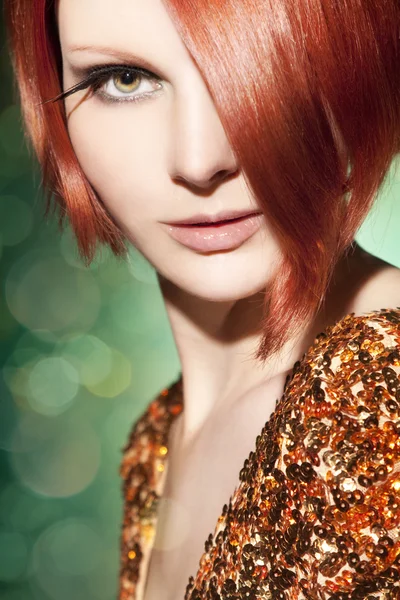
x=91, y=357
x=55, y=457
x=17, y=379
x=64, y=555
x=52, y=386
x=118, y=379
x=45, y=293
x=73, y=546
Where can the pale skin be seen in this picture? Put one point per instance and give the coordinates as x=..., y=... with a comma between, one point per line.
x=168, y=158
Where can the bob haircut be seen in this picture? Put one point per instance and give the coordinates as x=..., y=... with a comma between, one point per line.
x=308, y=92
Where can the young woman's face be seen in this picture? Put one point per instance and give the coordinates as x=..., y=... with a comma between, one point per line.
x=165, y=157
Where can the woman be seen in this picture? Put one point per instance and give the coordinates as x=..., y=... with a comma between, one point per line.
x=274, y=123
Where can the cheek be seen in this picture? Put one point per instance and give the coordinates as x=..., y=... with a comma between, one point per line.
x=121, y=152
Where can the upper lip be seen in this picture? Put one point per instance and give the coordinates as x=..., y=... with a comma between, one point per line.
x=221, y=216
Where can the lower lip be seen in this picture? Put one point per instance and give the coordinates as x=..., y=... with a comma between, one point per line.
x=225, y=235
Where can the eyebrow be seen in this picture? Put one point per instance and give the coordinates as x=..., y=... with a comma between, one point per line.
x=122, y=55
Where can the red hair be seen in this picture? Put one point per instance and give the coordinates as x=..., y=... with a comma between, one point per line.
x=309, y=96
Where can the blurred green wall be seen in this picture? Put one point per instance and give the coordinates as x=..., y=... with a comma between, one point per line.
x=82, y=352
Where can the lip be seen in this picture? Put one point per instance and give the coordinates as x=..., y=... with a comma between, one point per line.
x=216, y=235
x=221, y=216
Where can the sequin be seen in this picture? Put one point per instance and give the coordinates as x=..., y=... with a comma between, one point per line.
x=316, y=513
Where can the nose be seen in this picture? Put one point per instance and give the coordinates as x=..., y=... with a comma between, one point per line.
x=201, y=155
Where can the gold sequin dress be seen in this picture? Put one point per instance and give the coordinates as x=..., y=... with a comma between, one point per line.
x=316, y=511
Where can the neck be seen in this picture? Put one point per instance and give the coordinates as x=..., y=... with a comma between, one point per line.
x=216, y=340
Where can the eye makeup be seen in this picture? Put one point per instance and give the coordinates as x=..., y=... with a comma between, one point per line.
x=96, y=76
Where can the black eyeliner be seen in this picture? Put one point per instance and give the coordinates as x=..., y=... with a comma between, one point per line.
x=97, y=75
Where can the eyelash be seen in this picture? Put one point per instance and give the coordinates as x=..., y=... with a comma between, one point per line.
x=97, y=76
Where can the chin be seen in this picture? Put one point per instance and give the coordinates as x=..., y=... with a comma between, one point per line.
x=226, y=295
x=220, y=277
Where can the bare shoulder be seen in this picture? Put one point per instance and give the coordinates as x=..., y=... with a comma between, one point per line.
x=365, y=283
x=379, y=285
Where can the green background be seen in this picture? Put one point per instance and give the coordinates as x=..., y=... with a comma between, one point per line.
x=83, y=350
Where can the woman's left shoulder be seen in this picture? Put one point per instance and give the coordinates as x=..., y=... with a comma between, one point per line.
x=369, y=332
x=353, y=347
x=334, y=463
x=353, y=366
x=368, y=339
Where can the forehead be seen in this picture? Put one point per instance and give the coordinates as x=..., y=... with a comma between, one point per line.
x=129, y=24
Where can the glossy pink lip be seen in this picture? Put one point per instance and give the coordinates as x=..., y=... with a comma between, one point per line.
x=221, y=235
